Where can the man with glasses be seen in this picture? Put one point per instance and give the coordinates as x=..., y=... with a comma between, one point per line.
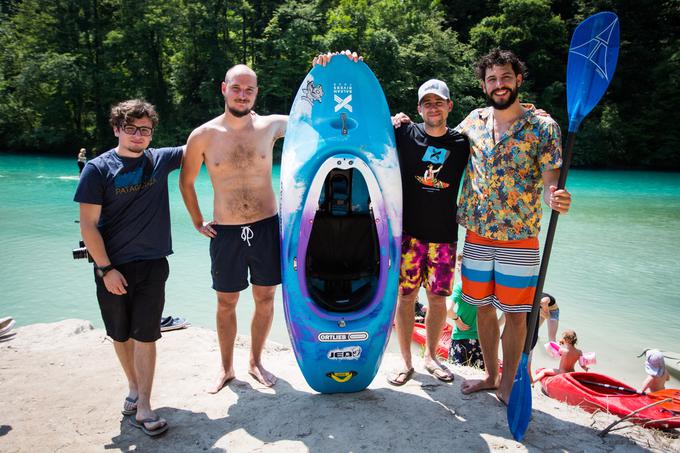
x=125, y=224
x=244, y=231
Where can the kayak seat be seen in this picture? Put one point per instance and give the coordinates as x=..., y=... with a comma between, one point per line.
x=340, y=194
x=343, y=261
x=335, y=296
x=342, y=248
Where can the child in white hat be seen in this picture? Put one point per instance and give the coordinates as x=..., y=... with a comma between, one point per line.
x=656, y=370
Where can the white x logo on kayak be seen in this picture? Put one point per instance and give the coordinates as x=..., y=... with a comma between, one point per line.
x=340, y=102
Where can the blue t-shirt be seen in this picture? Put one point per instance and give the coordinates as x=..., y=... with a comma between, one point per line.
x=133, y=194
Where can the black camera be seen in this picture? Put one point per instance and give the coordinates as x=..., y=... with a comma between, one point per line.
x=81, y=252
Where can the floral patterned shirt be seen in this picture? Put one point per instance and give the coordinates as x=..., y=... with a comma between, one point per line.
x=501, y=196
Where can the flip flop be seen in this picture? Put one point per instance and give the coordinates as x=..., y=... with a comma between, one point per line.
x=408, y=374
x=7, y=326
x=141, y=424
x=171, y=323
x=129, y=406
x=7, y=336
x=440, y=372
x=4, y=322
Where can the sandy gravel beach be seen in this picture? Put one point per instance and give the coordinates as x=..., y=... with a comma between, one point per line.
x=62, y=390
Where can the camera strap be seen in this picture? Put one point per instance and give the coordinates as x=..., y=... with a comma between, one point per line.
x=148, y=166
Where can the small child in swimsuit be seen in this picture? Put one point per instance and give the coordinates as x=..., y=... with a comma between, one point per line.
x=655, y=366
x=569, y=356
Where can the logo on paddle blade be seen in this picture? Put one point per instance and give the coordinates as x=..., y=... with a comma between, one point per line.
x=349, y=353
x=596, y=49
x=341, y=376
x=326, y=337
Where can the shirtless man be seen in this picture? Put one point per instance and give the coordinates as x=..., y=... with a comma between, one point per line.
x=237, y=150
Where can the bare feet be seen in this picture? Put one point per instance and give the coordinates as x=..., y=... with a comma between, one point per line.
x=503, y=392
x=476, y=385
x=501, y=398
x=262, y=376
x=223, y=378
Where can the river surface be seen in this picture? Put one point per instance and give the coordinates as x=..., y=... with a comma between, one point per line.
x=614, y=266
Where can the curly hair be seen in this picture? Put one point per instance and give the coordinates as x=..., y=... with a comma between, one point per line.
x=498, y=57
x=127, y=111
x=570, y=336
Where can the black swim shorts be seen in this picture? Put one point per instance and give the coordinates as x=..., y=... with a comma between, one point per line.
x=136, y=314
x=239, y=248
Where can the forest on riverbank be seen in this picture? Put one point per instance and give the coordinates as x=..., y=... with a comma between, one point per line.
x=63, y=63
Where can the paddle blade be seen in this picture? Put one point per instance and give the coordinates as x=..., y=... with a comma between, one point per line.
x=519, y=406
x=593, y=54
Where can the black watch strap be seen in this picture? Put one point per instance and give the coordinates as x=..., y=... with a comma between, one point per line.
x=102, y=271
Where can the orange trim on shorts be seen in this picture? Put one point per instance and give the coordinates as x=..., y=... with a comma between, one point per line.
x=528, y=243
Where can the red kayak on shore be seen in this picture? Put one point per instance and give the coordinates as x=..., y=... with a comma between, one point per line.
x=594, y=391
x=419, y=336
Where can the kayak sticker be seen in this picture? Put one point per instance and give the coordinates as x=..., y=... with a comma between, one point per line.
x=349, y=353
x=326, y=337
x=341, y=376
x=312, y=93
x=342, y=94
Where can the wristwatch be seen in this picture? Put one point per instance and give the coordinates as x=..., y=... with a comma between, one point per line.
x=102, y=271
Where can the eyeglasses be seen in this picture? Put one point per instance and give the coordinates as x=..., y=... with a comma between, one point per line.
x=144, y=131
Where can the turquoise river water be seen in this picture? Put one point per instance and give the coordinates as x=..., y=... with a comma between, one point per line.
x=613, y=268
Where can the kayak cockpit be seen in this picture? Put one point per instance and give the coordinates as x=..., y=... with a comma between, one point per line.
x=343, y=259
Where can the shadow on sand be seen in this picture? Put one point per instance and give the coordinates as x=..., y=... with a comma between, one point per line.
x=439, y=418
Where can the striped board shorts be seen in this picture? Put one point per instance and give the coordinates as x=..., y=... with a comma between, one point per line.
x=501, y=273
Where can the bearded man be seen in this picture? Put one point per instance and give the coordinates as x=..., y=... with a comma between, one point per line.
x=244, y=231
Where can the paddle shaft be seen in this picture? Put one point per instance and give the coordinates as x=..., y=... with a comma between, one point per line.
x=547, y=247
x=613, y=387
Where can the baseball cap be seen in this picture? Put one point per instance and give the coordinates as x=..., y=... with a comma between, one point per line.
x=654, y=363
x=433, y=86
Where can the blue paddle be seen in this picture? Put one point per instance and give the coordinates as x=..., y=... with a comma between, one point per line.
x=593, y=53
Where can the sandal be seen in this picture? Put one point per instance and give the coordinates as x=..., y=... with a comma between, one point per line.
x=130, y=406
x=407, y=375
x=141, y=424
x=440, y=372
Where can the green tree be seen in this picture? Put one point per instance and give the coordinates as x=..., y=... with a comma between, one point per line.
x=538, y=36
x=286, y=49
x=411, y=36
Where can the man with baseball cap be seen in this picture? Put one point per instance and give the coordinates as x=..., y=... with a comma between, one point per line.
x=432, y=158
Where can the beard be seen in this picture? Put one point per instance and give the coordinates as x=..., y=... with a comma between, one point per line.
x=502, y=105
x=234, y=111
x=238, y=113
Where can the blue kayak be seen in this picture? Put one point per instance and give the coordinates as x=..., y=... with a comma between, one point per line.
x=340, y=226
